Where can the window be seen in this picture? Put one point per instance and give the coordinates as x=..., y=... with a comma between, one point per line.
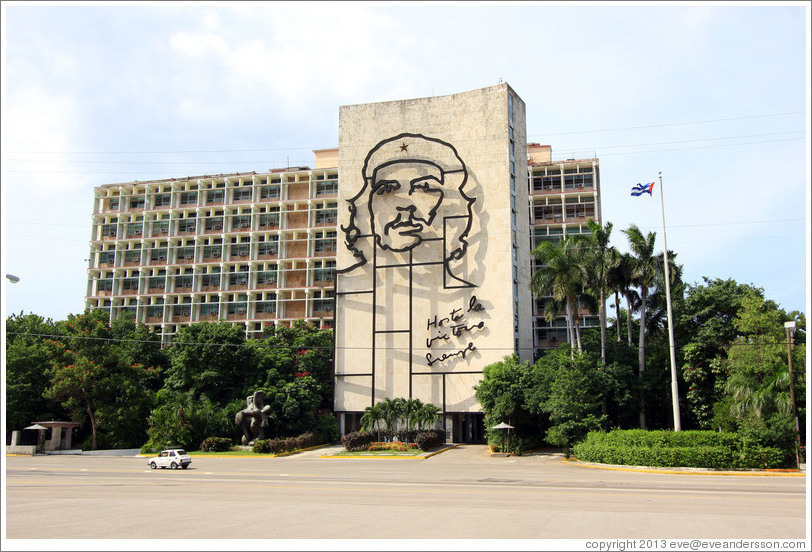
x=188, y=198
x=270, y=192
x=268, y=248
x=327, y=187
x=183, y=281
x=137, y=202
x=327, y=216
x=156, y=282
x=238, y=279
x=212, y=251
x=240, y=222
x=158, y=254
x=129, y=284
x=211, y=280
x=210, y=309
x=269, y=220
x=266, y=307
x=323, y=274
x=214, y=223
x=132, y=257
x=215, y=196
x=161, y=227
x=109, y=230
x=267, y=277
x=134, y=228
x=237, y=308
x=187, y=225
x=155, y=311
x=577, y=181
x=325, y=245
x=240, y=250
x=107, y=257
x=242, y=194
x=182, y=310
x=162, y=200
x=186, y=252
x=105, y=285
x=112, y=204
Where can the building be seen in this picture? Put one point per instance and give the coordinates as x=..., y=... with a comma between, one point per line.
x=419, y=227
x=563, y=196
x=245, y=247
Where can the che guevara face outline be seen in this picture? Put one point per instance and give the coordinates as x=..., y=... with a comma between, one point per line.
x=404, y=198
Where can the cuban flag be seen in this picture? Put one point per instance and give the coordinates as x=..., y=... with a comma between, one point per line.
x=642, y=189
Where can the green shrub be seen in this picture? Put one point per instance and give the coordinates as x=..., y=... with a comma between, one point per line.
x=286, y=444
x=358, y=440
x=430, y=439
x=327, y=428
x=692, y=449
x=216, y=444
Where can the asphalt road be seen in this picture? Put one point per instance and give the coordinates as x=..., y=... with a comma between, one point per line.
x=463, y=493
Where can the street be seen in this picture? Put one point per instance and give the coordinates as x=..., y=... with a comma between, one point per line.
x=463, y=493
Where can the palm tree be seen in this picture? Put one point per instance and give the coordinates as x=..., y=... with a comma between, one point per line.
x=599, y=256
x=372, y=418
x=619, y=278
x=427, y=416
x=410, y=408
x=561, y=274
x=391, y=413
x=643, y=275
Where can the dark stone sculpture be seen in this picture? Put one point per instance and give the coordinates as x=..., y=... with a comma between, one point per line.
x=254, y=418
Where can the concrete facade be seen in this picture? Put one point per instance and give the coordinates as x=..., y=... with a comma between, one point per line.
x=429, y=287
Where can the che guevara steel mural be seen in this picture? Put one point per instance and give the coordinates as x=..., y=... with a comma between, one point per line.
x=408, y=233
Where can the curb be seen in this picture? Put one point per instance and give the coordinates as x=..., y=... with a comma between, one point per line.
x=687, y=471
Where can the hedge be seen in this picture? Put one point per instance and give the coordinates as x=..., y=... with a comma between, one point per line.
x=216, y=444
x=691, y=449
x=286, y=444
x=361, y=440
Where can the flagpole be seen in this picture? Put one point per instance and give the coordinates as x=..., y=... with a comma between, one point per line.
x=674, y=386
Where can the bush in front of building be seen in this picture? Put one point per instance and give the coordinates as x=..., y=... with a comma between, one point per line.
x=327, y=428
x=692, y=449
x=215, y=444
x=287, y=444
x=430, y=439
x=357, y=441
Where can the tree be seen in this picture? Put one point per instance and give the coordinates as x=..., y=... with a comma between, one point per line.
x=501, y=392
x=91, y=378
x=575, y=400
x=391, y=414
x=211, y=359
x=427, y=416
x=706, y=321
x=600, y=257
x=562, y=275
x=758, y=381
x=371, y=418
x=643, y=274
x=26, y=378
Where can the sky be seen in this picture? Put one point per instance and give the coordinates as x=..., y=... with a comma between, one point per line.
x=711, y=96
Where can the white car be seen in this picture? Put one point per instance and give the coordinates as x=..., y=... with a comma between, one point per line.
x=170, y=458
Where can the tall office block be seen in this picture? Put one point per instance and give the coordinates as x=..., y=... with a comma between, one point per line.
x=432, y=282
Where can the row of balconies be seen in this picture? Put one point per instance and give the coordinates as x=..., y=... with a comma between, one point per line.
x=258, y=193
x=181, y=227
x=201, y=256
x=154, y=285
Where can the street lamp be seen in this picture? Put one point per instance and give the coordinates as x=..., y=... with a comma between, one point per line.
x=790, y=328
x=12, y=278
